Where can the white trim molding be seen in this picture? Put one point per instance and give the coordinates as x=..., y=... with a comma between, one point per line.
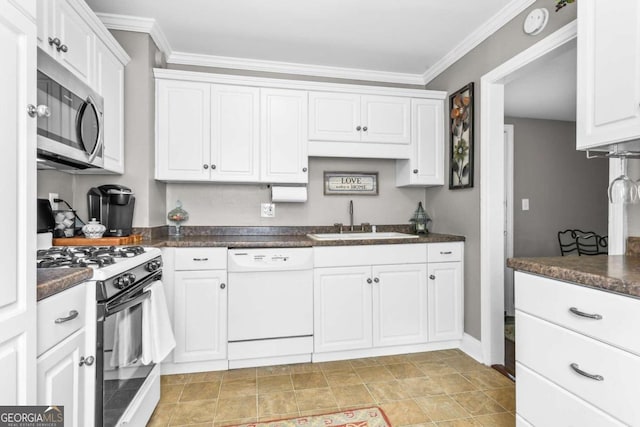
x=492, y=177
x=506, y=14
x=138, y=25
x=471, y=346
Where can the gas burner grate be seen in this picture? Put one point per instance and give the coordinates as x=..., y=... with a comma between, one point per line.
x=85, y=256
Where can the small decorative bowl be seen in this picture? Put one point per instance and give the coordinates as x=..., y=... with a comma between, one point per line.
x=93, y=229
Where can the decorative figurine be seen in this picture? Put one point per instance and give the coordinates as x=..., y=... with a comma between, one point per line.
x=178, y=215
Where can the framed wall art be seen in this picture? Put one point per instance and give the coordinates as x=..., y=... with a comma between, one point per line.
x=461, y=148
x=362, y=183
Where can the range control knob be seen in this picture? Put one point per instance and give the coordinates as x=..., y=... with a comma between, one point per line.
x=152, y=265
x=119, y=283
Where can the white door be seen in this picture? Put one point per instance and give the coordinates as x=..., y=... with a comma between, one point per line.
x=183, y=130
x=608, y=104
x=399, y=304
x=445, y=301
x=342, y=308
x=79, y=39
x=283, y=136
x=386, y=119
x=110, y=83
x=61, y=379
x=18, y=176
x=508, y=216
x=200, y=316
x=428, y=139
x=235, y=133
x=334, y=116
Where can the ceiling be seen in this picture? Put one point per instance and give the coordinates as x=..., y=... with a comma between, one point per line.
x=545, y=89
x=392, y=36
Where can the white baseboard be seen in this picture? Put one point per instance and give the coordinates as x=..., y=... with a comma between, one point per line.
x=472, y=346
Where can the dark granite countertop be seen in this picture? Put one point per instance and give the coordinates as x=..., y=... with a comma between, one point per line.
x=290, y=241
x=615, y=273
x=54, y=280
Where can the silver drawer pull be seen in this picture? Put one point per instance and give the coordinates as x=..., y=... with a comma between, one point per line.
x=583, y=314
x=445, y=252
x=577, y=369
x=72, y=315
x=201, y=259
x=86, y=361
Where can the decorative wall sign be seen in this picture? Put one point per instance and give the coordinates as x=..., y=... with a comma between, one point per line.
x=461, y=148
x=362, y=183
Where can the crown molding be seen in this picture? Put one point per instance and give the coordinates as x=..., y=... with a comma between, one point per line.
x=293, y=68
x=506, y=14
x=138, y=25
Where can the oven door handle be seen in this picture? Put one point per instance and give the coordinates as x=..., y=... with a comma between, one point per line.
x=127, y=304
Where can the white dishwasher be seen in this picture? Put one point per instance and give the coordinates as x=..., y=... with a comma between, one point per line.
x=270, y=306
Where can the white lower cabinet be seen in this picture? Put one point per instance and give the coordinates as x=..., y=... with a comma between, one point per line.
x=66, y=362
x=563, y=356
x=445, y=291
x=200, y=304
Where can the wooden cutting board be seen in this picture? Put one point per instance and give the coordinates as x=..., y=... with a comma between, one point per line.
x=102, y=241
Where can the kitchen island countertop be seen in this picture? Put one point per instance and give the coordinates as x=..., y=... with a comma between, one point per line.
x=614, y=273
x=54, y=280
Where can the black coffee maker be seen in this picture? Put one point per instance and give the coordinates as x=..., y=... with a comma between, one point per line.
x=112, y=205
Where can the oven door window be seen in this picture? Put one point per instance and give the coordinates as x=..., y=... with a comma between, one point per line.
x=123, y=372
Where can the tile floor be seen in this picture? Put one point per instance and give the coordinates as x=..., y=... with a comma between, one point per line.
x=440, y=388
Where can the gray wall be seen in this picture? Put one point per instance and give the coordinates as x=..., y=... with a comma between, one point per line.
x=458, y=211
x=633, y=210
x=229, y=204
x=564, y=188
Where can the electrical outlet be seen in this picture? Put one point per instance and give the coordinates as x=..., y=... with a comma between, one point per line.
x=267, y=210
x=52, y=197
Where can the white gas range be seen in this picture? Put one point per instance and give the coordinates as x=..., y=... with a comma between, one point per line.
x=127, y=386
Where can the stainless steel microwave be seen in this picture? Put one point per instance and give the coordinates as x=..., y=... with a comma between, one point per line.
x=70, y=133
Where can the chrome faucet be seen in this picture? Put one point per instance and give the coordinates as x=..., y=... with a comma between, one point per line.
x=350, y=215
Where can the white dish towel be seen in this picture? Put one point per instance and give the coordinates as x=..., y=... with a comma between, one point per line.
x=157, y=336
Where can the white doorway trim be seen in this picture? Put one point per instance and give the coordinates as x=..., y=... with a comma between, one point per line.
x=508, y=223
x=492, y=190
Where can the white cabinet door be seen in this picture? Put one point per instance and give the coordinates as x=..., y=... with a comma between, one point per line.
x=110, y=83
x=79, y=39
x=283, y=136
x=386, y=119
x=445, y=301
x=608, y=104
x=183, y=130
x=45, y=25
x=426, y=165
x=334, y=116
x=234, y=133
x=18, y=176
x=342, y=309
x=399, y=304
x=61, y=379
x=200, y=315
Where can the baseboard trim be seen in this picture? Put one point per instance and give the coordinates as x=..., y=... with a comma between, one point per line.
x=472, y=346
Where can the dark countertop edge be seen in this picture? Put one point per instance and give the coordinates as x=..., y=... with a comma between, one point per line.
x=291, y=241
x=51, y=281
x=599, y=281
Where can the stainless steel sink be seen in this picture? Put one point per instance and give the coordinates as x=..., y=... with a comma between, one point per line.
x=361, y=236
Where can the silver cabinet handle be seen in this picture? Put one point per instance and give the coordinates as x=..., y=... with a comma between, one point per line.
x=583, y=314
x=304, y=169
x=72, y=315
x=415, y=171
x=376, y=280
x=54, y=41
x=39, y=111
x=369, y=280
x=445, y=252
x=358, y=128
x=365, y=128
x=87, y=361
x=432, y=277
x=213, y=166
x=205, y=166
x=201, y=259
x=222, y=286
x=62, y=48
x=577, y=369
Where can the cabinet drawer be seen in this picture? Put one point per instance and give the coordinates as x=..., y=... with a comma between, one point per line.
x=52, y=312
x=620, y=315
x=550, y=350
x=347, y=256
x=201, y=259
x=443, y=252
x=539, y=402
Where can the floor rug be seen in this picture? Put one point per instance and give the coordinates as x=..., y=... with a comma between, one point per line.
x=364, y=417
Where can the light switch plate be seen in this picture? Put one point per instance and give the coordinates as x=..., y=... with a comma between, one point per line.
x=525, y=204
x=52, y=197
x=267, y=210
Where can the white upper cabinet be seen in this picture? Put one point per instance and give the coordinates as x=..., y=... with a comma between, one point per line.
x=283, y=136
x=235, y=133
x=334, y=116
x=425, y=167
x=608, y=104
x=386, y=119
x=183, y=130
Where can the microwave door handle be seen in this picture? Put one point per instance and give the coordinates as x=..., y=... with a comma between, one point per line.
x=127, y=304
x=98, y=146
